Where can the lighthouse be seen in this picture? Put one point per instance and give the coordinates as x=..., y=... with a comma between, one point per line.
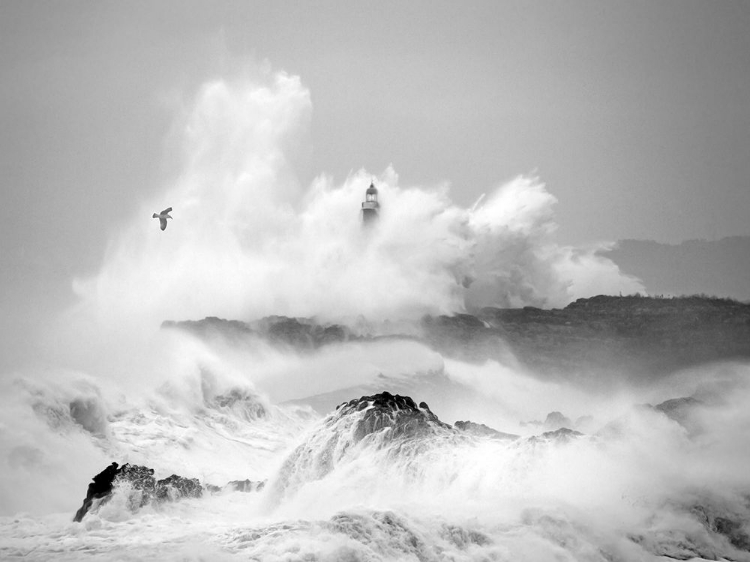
x=370, y=206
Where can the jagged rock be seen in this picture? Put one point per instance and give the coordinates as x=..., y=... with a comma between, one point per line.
x=376, y=421
x=482, y=430
x=141, y=479
x=144, y=487
x=177, y=487
x=99, y=488
x=398, y=413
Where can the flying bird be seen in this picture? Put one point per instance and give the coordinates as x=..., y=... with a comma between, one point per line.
x=163, y=216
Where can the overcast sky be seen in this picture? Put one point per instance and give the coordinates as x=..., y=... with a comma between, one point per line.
x=635, y=114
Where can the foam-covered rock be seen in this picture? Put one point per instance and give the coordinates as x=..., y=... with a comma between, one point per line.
x=143, y=487
x=384, y=421
x=398, y=414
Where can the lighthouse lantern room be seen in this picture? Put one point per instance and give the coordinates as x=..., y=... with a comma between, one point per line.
x=370, y=206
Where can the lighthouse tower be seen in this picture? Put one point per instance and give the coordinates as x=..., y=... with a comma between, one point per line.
x=370, y=206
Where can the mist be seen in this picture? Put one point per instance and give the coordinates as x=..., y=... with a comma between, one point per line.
x=248, y=241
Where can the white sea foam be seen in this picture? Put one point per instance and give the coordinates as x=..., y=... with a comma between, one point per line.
x=248, y=241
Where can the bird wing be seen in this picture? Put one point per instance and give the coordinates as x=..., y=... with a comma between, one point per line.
x=167, y=210
x=163, y=223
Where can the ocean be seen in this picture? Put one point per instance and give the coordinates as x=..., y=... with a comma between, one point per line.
x=551, y=467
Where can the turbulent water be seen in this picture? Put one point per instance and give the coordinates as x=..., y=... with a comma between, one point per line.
x=630, y=483
x=633, y=484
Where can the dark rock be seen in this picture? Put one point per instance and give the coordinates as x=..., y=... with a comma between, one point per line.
x=99, y=488
x=385, y=411
x=141, y=479
x=144, y=487
x=394, y=423
x=177, y=487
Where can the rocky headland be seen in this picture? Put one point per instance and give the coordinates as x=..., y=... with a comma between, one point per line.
x=599, y=336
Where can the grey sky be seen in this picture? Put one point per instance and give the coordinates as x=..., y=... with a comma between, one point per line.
x=636, y=114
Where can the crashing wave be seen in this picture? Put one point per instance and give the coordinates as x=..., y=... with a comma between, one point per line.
x=140, y=486
x=371, y=422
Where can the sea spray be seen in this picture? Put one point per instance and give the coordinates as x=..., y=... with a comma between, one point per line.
x=248, y=241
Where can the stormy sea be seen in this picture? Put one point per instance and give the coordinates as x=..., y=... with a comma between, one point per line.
x=276, y=381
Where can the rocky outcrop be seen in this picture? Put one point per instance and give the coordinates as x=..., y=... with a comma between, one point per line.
x=481, y=430
x=144, y=488
x=562, y=435
x=387, y=423
x=177, y=487
x=399, y=414
x=101, y=487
